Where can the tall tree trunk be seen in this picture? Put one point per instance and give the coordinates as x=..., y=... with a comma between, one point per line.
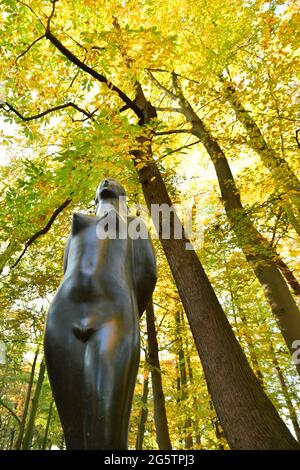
x=289, y=276
x=285, y=392
x=238, y=314
x=160, y=414
x=44, y=444
x=280, y=170
x=11, y=442
x=191, y=380
x=255, y=364
x=219, y=433
x=247, y=416
x=26, y=404
x=188, y=439
x=62, y=442
x=254, y=246
x=35, y=401
x=143, y=411
x=252, y=353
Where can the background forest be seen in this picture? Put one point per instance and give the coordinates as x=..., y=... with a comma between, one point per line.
x=182, y=100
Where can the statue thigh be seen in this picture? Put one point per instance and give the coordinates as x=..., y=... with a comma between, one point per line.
x=110, y=368
x=64, y=356
x=93, y=383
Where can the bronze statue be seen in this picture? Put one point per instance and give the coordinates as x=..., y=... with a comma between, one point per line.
x=92, y=342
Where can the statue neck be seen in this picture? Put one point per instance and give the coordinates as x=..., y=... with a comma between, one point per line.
x=106, y=205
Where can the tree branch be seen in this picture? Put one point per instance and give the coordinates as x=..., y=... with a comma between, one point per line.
x=162, y=87
x=51, y=15
x=86, y=118
x=98, y=76
x=29, y=47
x=124, y=108
x=179, y=75
x=32, y=11
x=43, y=231
x=10, y=411
x=169, y=109
x=44, y=113
x=180, y=148
x=297, y=139
x=174, y=131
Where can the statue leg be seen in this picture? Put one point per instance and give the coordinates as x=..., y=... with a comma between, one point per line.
x=64, y=358
x=110, y=368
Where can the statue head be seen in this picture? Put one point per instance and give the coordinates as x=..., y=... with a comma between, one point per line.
x=110, y=193
x=109, y=188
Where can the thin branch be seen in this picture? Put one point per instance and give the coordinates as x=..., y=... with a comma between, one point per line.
x=86, y=118
x=10, y=411
x=157, y=70
x=32, y=11
x=218, y=98
x=169, y=109
x=29, y=47
x=72, y=81
x=77, y=44
x=43, y=231
x=162, y=87
x=174, y=131
x=273, y=116
x=180, y=148
x=172, y=95
x=161, y=306
x=98, y=48
x=176, y=85
x=98, y=76
x=124, y=108
x=44, y=113
x=179, y=75
x=297, y=138
x=51, y=15
x=278, y=217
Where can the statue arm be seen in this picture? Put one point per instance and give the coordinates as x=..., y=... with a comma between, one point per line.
x=145, y=270
x=66, y=253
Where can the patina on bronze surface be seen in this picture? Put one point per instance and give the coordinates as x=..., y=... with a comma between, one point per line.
x=92, y=342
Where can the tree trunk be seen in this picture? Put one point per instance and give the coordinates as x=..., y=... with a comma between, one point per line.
x=219, y=434
x=26, y=404
x=143, y=412
x=44, y=445
x=160, y=414
x=247, y=416
x=289, y=276
x=238, y=314
x=285, y=392
x=35, y=401
x=256, y=249
x=280, y=170
x=191, y=380
x=11, y=442
x=251, y=348
x=188, y=439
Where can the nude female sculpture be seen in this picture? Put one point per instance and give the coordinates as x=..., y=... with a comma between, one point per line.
x=92, y=342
